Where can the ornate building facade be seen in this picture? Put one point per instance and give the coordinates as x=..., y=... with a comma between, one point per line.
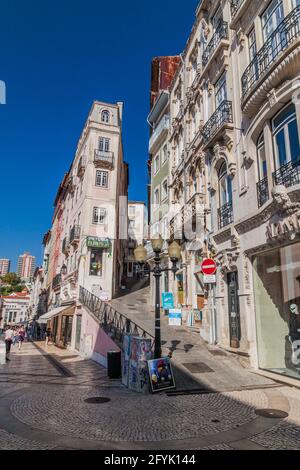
x=235, y=174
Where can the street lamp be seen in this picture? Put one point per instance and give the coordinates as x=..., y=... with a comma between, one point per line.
x=140, y=254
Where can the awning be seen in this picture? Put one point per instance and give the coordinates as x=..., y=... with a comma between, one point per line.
x=52, y=313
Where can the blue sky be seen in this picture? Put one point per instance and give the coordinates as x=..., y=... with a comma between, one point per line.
x=56, y=58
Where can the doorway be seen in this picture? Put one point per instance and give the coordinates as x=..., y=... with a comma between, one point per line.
x=234, y=310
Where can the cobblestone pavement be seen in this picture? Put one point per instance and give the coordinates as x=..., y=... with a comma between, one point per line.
x=42, y=406
x=224, y=370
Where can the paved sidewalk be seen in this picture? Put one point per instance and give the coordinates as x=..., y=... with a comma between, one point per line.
x=42, y=406
x=215, y=369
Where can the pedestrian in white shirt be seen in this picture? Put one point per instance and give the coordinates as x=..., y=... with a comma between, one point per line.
x=9, y=334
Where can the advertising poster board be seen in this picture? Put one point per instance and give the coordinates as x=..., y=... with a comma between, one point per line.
x=126, y=359
x=167, y=300
x=175, y=317
x=161, y=374
x=140, y=353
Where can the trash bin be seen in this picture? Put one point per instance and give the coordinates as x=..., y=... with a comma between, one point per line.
x=114, y=364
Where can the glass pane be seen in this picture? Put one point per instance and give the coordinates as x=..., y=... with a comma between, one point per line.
x=277, y=298
x=223, y=191
x=262, y=162
x=281, y=148
x=284, y=116
x=294, y=140
x=229, y=189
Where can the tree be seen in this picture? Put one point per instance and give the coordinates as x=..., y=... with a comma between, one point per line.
x=11, y=279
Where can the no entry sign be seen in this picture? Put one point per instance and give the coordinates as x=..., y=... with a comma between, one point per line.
x=209, y=267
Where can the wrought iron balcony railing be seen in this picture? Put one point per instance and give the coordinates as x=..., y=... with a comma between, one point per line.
x=225, y=215
x=262, y=191
x=56, y=281
x=288, y=174
x=75, y=234
x=235, y=6
x=104, y=158
x=223, y=115
x=283, y=36
x=220, y=33
x=112, y=322
x=164, y=125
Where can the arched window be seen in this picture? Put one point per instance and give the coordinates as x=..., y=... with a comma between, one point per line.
x=286, y=137
x=225, y=186
x=105, y=116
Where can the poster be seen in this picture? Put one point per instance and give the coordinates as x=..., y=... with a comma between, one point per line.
x=175, y=317
x=125, y=359
x=167, y=300
x=140, y=354
x=161, y=374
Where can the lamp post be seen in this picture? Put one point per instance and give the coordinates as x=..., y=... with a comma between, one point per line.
x=140, y=254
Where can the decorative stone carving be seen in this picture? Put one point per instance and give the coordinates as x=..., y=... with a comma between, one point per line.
x=232, y=169
x=272, y=98
x=285, y=222
x=241, y=38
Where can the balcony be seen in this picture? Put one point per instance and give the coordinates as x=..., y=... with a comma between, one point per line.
x=159, y=131
x=274, y=60
x=66, y=246
x=81, y=166
x=221, y=34
x=104, y=159
x=288, y=175
x=225, y=215
x=262, y=191
x=75, y=235
x=221, y=119
x=56, y=281
x=238, y=9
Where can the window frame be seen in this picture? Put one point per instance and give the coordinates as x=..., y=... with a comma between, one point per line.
x=104, y=142
x=283, y=126
x=97, y=178
x=164, y=194
x=106, y=113
x=99, y=210
x=156, y=164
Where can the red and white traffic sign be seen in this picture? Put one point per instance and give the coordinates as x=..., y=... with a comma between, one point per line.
x=209, y=267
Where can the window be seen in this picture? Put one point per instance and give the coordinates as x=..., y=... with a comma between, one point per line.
x=105, y=116
x=261, y=155
x=220, y=90
x=102, y=178
x=104, y=144
x=225, y=186
x=286, y=137
x=165, y=154
x=99, y=215
x=156, y=196
x=252, y=45
x=271, y=18
x=156, y=164
x=164, y=190
x=217, y=18
x=96, y=263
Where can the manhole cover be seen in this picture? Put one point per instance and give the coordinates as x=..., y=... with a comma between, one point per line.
x=278, y=414
x=198, y=368
x=96, y=400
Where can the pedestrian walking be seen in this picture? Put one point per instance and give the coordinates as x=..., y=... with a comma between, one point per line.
x=15, y=336
x=21, y=336
x=9, y=333
x=48, y=336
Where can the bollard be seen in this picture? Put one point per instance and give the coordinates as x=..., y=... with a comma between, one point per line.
x=2, y=353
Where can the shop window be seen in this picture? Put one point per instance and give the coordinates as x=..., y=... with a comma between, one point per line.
x=96, y=263
x=277, y=298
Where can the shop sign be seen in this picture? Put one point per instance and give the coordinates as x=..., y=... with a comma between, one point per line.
x=175, y=317
x=167, y=300
x=161, y=374
x=95, y=242
x=209, y=279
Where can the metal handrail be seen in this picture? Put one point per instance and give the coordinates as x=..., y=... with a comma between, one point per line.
x=225, y=215
x=235, y=6
x=288, y=174
x=111, y=321
x=223, y=115
x=281, y=38
x=262, y=191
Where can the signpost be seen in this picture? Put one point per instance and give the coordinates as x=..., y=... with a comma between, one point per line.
x=209, y=269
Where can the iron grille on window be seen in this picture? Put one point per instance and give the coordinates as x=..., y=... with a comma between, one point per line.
x=281, y=38
x=223, y=115
x=288, y=174
x=262, y=191
x=56, y=281
x=225, y=215
x=220, y=33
